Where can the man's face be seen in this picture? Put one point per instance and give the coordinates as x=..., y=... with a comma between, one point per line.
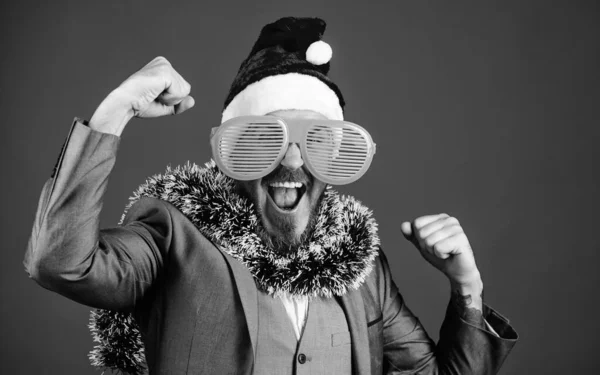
x=286, y=199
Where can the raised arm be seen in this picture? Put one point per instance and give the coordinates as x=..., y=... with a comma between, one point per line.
x=474, y=339
x=67, y=252
x=464, y=347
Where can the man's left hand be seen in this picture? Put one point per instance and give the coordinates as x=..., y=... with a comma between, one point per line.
x=442, y=242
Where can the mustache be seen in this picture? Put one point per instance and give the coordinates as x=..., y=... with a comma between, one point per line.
x=284, y=174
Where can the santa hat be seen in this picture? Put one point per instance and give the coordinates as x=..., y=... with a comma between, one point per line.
x=286, y=69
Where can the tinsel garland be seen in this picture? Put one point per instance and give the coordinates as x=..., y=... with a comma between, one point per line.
x=337, y=257
x=119, y=344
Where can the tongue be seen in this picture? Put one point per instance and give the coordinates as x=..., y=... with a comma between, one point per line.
x=284, y=197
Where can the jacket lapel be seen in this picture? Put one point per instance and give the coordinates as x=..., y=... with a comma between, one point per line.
x=352, y=303
x=248, y=295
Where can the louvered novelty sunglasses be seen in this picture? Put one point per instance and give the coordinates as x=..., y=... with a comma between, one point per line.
x=250, y=147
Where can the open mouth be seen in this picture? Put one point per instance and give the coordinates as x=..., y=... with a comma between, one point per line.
x=286, y=195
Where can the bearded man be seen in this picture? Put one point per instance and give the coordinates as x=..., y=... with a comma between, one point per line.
x=253, y=263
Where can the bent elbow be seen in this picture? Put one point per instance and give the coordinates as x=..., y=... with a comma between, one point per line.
x=43, y=270
x=32, y=261
x=46, y=265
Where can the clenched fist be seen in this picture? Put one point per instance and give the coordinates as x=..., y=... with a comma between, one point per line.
x=443, y=243
x=153, y=91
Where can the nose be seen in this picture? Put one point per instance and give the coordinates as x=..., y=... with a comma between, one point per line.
x=292, y=159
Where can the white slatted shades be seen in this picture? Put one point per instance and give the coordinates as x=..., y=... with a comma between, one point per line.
x=338, y=154
x=250, y=147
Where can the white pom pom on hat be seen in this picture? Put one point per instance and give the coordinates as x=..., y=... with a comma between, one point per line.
x=319, y=53
x=286, y=69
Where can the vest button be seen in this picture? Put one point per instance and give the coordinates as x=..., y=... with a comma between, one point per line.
x=302, y=358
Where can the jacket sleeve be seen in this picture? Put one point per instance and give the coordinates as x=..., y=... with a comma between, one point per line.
x=462, y=348
x=68, y=253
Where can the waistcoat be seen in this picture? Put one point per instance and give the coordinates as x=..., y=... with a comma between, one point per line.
x=324, y=345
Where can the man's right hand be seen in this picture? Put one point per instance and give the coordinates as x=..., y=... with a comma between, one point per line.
x=153, y=91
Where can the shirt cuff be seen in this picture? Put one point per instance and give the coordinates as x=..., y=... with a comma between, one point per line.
x=489, y=328
x=497, y=324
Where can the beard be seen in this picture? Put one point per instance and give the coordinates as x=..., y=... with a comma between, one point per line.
x=285, y=238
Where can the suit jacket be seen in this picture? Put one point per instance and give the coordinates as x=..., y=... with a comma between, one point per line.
x=196, y=305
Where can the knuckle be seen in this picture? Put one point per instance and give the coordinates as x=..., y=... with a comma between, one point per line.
x=418, y=222
x=186, y=87
x=163, y=68
x=451, y=220
x=162, y=64
x=429, y=241
x=441, y=252
x=162, y=60
x=440, y=246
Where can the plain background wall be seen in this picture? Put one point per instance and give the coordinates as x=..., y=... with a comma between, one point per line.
x=485, y=110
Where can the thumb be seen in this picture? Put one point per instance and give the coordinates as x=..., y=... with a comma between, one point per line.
x=409, y=234
x=187, y=103
x=406, y=229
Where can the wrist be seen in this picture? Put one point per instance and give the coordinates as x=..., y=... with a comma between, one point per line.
x=469, y=283
x=467, y=300
x=113, y=114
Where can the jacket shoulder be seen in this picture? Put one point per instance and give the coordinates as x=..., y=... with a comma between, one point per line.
x=150, y=206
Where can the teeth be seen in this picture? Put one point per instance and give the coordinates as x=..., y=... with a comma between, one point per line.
x=287, y=185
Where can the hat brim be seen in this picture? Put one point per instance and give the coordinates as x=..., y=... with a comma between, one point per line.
x=285, y=92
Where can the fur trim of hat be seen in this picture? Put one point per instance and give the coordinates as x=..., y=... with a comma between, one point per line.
x=286, y=69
